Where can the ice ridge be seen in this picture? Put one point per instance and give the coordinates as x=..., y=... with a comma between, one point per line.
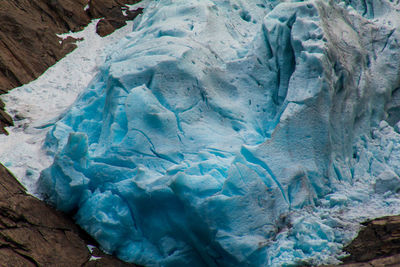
x=218, y=132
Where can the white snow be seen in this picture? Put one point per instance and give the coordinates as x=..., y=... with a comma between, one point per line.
x=35, y=106
x=90, y=248
x=94, y=258
x=142, y=4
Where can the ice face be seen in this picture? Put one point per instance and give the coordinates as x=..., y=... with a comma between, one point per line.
x=219, y=132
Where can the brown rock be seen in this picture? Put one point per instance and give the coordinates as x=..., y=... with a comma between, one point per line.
x=112, y=13
x=390, y=261
x=106, y=26
x=28, y=40
x=34, y=234
x=377, y=244
x=379, y=238
x=109, y=8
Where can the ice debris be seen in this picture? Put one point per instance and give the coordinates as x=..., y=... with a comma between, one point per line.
x=229, y=132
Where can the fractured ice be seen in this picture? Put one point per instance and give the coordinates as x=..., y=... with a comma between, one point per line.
x=215, y=126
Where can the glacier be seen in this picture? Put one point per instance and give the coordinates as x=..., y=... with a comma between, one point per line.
x=234, y=133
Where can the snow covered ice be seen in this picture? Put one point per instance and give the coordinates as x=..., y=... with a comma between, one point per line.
x=37, y=105
x=235, y=133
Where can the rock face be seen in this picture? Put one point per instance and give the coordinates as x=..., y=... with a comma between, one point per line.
x=377, y=244
x=28, y=41
x=34, y=234
x=111, y=13
x=392, y=261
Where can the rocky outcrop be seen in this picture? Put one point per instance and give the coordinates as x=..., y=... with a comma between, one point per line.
x=29, y=44
x=391, y=261
x=377, y=244
x=34, y=234
x=110, y=12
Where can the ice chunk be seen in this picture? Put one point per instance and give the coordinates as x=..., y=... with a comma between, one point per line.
x=387, y=181
x=219, y=132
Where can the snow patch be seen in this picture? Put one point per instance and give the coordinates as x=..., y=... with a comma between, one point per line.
x=94, y=258
x=90, y=248
x=36, y=106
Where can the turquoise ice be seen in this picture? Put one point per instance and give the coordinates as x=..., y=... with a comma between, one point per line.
x=215, y=126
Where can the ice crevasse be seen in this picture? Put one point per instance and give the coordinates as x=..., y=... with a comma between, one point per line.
x=217, y=130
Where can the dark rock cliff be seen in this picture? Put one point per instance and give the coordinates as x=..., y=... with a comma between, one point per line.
x=377, y=244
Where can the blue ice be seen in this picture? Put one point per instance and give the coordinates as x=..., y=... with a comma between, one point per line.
x=214, y=124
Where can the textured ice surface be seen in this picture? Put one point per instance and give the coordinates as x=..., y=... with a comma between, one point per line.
x=235, y=133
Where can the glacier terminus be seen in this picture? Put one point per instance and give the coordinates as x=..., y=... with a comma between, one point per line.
x=235, y=133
